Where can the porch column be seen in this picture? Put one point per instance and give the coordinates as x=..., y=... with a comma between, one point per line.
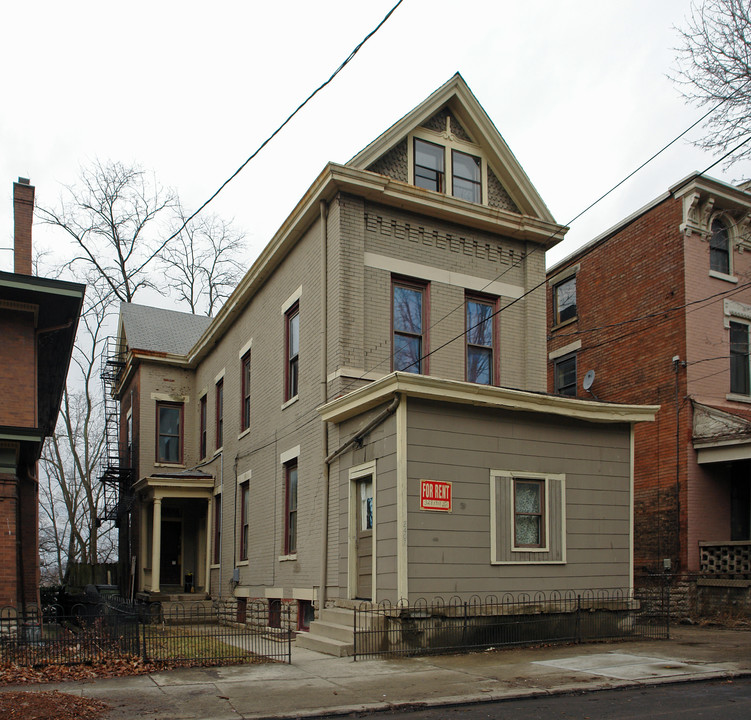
x=143, y=540
x=156, y=544
x=209, y=536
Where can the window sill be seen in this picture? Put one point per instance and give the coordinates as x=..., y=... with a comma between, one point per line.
x=735, y=397
x=243, y=563
x=570, y=321
x=723, y=276
x=215, y=567
x=171, y=465
x=291, y=401
x=287, y=558
x=243, y=433
x=218, y=451
x=530, y=549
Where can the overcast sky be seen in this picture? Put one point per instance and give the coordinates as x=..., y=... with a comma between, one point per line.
x=578, y=89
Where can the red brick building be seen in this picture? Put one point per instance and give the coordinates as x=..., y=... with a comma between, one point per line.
x=38, y=321
x=658, y=308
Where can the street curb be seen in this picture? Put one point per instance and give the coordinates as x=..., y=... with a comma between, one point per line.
x=459, y=700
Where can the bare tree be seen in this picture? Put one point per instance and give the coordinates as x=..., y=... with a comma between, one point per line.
x=714, y=68
x=202, y=261
x=69, y=482
x=113, y=215
x=118, y=220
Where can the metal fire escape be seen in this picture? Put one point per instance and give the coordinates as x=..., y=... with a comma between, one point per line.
x=116, y=475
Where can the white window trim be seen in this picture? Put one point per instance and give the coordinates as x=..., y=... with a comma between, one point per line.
x=288, y=455
x=245, y=349
x=494, y=521
x=291, y=300
x=448, y=142
x=565, y=350
x=219, y=377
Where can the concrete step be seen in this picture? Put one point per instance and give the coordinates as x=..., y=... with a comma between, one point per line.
x=337, y=616
x=325, y=645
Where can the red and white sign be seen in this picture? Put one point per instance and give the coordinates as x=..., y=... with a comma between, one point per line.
x=435, y=495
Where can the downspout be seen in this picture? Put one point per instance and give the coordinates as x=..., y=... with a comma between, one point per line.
x=365, y=429
x=324, y=209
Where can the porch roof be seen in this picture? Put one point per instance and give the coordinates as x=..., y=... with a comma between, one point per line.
x=432, y=388
x=721, y=434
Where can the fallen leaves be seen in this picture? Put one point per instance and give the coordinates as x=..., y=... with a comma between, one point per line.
x=52, y=705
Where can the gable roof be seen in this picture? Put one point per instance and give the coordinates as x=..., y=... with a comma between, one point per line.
x=456, y=95
x=160, y=331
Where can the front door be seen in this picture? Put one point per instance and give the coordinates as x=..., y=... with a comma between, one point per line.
x=365, y=538
x=170, y=567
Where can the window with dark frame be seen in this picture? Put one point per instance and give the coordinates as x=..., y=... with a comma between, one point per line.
x=245, y=410
x=430, y=161
x=719, y=248
x=408, y=319
x=565, y=375
x=129, y=439
x=292, y=344
x=305, y=614
x=290, y=503
x=169, y=433
x=529, y=517
x=480, y=340
x=564, y=300
x=217, y=528
x=220, y=413
x=740, y=380
x=275, y=613
x=466, y=176
x=244, y=519
x=203, y=420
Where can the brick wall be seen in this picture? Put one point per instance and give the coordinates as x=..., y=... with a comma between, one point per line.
x=638, y=273
x=18, y=379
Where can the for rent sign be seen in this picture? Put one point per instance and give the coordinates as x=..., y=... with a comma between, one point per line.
x=435, y=495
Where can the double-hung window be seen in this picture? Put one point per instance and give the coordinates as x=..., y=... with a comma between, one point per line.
x=466, y=176
x=429, y=165
x=292, y=349
x=220, y=413
x=719, y=248
x=169, y=419
x=529, y=517
x=739, y=360
x=480, y=340
x=447, y=170
x=564, y=300
x=290, y=492
x=409, y=323
x=245, y=408
x=244, y=519
x=202, y=438
x=565, y=375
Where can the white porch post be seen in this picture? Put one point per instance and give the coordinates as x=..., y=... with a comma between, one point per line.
x=156, y=544
x=209, y=535
x=143, y=540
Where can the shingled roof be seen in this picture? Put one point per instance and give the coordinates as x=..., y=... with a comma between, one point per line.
x=157, y=330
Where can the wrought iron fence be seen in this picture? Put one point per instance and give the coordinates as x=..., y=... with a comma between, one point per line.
x=479, y=623
x=118, y=629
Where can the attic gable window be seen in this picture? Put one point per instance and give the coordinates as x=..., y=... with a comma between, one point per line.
x=444, y=163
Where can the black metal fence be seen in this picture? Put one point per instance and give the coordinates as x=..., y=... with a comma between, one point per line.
x=478, y=623
x=116, y=629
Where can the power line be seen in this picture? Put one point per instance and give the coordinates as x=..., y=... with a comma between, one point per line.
x=315, y=92
x=524, y=257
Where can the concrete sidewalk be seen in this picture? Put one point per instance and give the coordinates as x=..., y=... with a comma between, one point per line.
x=315, y=685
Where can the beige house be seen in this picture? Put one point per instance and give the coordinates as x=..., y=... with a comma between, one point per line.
x=345, y=428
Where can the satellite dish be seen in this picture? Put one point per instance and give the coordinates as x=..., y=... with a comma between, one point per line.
x=589, y=379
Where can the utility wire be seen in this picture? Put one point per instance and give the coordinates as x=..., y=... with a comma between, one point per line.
x=524, y=257
x=315, y=92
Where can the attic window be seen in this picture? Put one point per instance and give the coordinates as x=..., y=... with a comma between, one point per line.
x=441, y=162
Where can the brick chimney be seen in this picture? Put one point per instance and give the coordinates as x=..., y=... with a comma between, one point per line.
x=23, y=214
